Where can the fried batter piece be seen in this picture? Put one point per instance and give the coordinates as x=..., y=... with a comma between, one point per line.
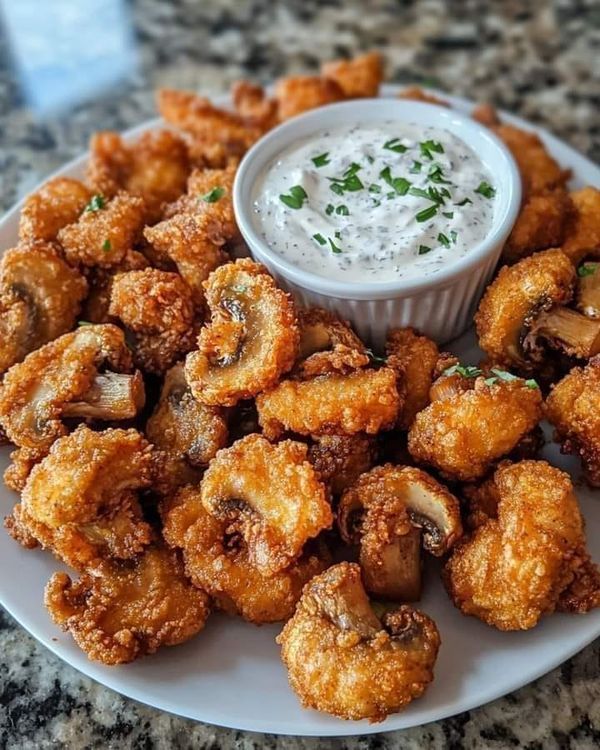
x=359, y=77
x=252, y=103
x=100, y=280
x=388, y=513
x=340, y=459
x=218, y=562
x=186, y=434
x=103, y=235
x=154, y=167
x=417, y=94
x=157, y=311
x=415, y=359
x=343, y=660
x=583, y=237
x=573, y=408
x=251, y=340
x=297, y=94
x=40, y=298
x=56, y=204
x=327, y=345
x=464, y=434
x=268, y=494
x=84, y=374
x=81, y=501
x=119, y=611
x=362, y=401
x=514, y=567
x=525, y=302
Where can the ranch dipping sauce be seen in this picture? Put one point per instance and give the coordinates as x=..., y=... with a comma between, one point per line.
x=374, y=202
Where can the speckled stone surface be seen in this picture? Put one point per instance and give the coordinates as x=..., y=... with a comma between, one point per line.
x=540, y=60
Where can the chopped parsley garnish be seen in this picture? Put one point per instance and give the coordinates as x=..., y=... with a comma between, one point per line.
x=486, y=190
x=84, y=323
x=296, y=197
x=453, y=236
x=321, y=160
x=463, y=202
x=467, y=371
x=106, y=246
x=375, y=358
x=334, y=248
x=436, y=174
x=416, y=167
x=370, y=159
x=96, y=203
x=338, y=235
x=374, y=188
x=432, y=194
x=448, y=214
x=424, y=249
x=329, y=209
x=426, y=213
x=427, y=147
x=350, y=181
x=586, y=269
x=342, y=210
x=213, y=195
x=394, y=145
x=501, y=375
x=400, y=184
x=319, y=238
x=443, y=239
x=419, y=193
x=531, y=383
x=337, y=189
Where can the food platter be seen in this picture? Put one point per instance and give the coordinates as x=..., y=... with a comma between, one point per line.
x=231, y=674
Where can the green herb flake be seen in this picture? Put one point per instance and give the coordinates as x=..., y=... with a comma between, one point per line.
x=240, y=288
x=82, y=323
x=394, y=145
x=370, y=159
x=453, y=236
x=424, y=249
x=466, y=371
x=374, y=188
x=336, y=188
x=319, y=238
x=375, y=358
x=463, y=202
x=213, y=195
x=426, y=213
x=507, y=377
x=486, y=190
x=436, y=174
x=106, y=246
x=531, y=383
x=296, y=197
x=586, y=269
x=321, y=160
x=443, y=239
x=329, y=209
x=427, y=147
x=96, y=203
x=416, y=167
x=334, y=248
x=400, y=184
x=419, y=193
x=448, y=214
x=342, y=210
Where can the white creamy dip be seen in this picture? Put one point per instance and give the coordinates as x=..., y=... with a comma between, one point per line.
x=374, y=202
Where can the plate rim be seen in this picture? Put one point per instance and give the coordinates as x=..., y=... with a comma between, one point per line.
x=339, y=727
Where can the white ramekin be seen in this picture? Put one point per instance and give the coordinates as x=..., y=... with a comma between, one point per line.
x=440, y=306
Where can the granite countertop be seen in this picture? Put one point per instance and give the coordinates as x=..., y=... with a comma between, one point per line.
x=537, y=63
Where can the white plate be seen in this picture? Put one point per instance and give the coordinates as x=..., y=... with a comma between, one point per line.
x=231, y=674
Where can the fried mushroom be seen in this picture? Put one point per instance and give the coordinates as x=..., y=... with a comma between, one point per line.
x=583, y=237
x=120, y=611
x=81, y=501
x=588, y=289
x=156, y=309
x=56, y=204
x=251, y=340
x=340, y=459
x=343, y=660
x=40, y=298
x=388, y=514
x=327, y=345
x=270, y=495
x=359, y=77
x=297, y=94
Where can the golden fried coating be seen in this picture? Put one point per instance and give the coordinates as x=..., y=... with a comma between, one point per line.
x=57, y=203
x=573, y=408
x=542, y=223
x=100, y=280
x=270, y=495
x=463, y=435
x=343, y=660
x=209, y=191
x=186, y=434
x=362, y=401
x=340, y=459
x=82, y=374
x=252, y=103
x=388, y=513
x=40, y=298
x=251, y=340
x=154, y=167
x=105, y=232
x=218, y=562
x=80, y=502
x=512, y=569
x=297, y=94
x=157, y=311
x=417, y=94
x=359, y=77
x=119, y=611
x=583, y=593
x=514, y=300
x=583, y=237
x=327, y=345
x=414, y=358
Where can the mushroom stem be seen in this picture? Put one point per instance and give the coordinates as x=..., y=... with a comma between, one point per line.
x=111, y=396
x=588, y=291
x=577, y=335
x=399, y=577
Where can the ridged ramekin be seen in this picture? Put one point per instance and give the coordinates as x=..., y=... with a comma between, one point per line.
x=440, y=306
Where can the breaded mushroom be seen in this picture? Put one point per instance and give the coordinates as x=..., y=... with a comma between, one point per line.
x=583, y=237
x=81, y=501
x=343, y=660
x=358, y=77
x=514, y=567
x=56, y=204
x=297, y=94
x=120, y=611
x=156, y=309
x=340, y=459
x=463, y=435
